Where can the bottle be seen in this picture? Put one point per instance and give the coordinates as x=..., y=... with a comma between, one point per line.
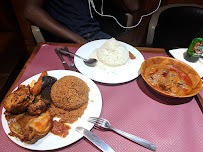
x=195, y=49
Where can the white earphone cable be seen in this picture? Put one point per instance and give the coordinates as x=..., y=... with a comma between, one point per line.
x=101, y=14
x=102, y=7
x=90, y=9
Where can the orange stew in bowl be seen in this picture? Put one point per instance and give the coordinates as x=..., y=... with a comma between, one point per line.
x=168, y=79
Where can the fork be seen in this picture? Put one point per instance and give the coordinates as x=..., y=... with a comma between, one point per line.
x=105, y=124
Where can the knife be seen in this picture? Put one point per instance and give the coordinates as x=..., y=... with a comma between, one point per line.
x=65, y=65
x=94, y=139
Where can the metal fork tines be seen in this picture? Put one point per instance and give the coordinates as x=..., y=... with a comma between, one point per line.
x=105, y=124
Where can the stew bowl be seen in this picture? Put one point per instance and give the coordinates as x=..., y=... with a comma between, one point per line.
x=196, y=83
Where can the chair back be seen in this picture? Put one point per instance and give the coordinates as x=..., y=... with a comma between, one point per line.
x=174, y=26
x=37, y=34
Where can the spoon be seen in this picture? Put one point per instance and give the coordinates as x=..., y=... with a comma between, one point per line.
x=90, y=62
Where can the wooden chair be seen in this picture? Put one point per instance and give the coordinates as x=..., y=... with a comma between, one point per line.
x=37, y=34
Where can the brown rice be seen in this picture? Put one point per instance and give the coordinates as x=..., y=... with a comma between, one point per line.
x=70, y=98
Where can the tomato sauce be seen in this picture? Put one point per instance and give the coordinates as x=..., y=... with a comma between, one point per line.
x=60, y=129
x=182, y=75
x=132, y=56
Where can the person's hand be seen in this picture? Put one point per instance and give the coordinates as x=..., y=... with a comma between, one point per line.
x=81, y=41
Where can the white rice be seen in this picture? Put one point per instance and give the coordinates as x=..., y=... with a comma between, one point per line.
x=124, y=71
x=112, y=53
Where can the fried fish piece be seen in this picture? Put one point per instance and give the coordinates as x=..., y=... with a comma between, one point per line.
x=17, y=101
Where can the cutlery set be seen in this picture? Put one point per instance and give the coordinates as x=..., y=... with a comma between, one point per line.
x=65, y=64
x=103, y=123
x=91, y=62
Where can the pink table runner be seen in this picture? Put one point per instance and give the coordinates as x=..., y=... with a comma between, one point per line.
x=134, y=108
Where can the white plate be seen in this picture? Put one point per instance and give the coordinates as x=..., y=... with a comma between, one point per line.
x=178, y=54
x=126, y=72
x=51, y=141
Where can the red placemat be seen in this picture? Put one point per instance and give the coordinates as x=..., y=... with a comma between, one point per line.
x=134, y=108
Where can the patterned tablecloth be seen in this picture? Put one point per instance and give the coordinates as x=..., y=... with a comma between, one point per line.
x=132, y=107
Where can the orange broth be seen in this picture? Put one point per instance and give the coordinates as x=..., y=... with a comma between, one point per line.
x=168, y=79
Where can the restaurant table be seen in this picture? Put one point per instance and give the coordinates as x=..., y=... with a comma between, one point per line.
x=173, y=124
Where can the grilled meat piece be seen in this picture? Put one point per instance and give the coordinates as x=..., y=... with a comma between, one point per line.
x=29, y=129
x=47, y=82
x=41, y=102
x=17, y=101
x=45, y=94
x=38, y=106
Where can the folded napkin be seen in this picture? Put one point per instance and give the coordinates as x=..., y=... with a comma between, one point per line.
x=178, y=54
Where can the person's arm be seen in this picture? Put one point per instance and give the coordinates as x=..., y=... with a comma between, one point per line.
x=130, y=6
x=37, y=15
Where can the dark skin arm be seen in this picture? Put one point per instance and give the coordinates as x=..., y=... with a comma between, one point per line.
x=38, y=16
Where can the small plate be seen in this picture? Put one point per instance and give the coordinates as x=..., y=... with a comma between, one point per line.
x=179, y=53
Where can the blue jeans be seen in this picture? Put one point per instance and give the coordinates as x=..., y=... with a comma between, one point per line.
x=96, y=36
